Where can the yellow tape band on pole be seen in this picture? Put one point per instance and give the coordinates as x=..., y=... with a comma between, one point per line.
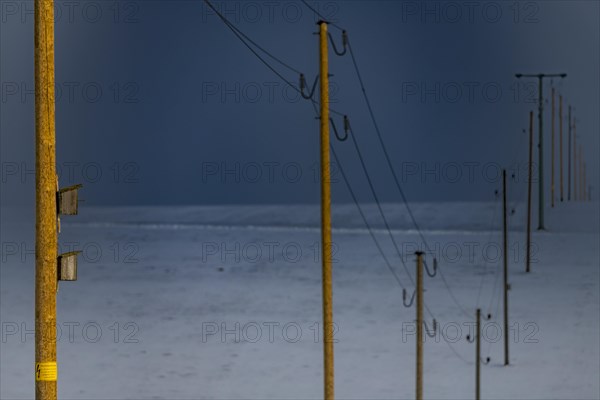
x=46, y=371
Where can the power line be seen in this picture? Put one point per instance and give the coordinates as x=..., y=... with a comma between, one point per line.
x=364, y=218
x=240, y=35
x=243, y=37
x=321, y=16
x=492, y=224
x=375, y=196
x=396, y=181
x=377, y=202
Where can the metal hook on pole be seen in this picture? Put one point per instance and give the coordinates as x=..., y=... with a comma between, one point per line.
x=412, y=298
x=434, y=273
x=344, y=43
x=346, y=129
x=431, y=333
x=303, y=86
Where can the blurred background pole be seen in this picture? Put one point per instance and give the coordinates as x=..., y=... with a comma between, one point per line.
x=552, y=152
x=575, y=159
x=326, y=217
x=505, y=259
x=584, y=182
x=419, y=388
x=46, y=246
x=560, y=146
x=569, y=160
x=478, y=356
x=529, y=177
x=581, y=188
x=540, y=78
x=540, y=157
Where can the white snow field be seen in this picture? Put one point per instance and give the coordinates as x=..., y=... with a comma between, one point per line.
x=225, y=303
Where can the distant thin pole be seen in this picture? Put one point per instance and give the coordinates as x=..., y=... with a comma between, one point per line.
x=540, y=155
x=552, y=152
x=529, y=184
x=569, y=160
x=505, y=259
x=478, y=356
x=560, y=138
x=419, y=382
x=581, y=188
x=575, y=159
x=584, y=182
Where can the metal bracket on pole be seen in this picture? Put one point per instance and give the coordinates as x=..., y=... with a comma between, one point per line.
x=67, y=266
x=67, y=200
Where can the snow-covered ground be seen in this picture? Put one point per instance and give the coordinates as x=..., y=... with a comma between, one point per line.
x=225, y=302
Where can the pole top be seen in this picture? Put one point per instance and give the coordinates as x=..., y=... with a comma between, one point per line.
x=540, y=76
x=419, y=253
x=322, y=21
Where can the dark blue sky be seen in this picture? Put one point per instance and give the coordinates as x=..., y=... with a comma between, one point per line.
x=159, y=103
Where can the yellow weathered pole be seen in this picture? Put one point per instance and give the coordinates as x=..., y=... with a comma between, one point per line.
x=419, y=389
x=45, y=196
x=560, y=146
x=326, y=218
x=552, y=155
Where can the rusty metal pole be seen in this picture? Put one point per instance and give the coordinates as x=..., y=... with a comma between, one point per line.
x=326, y=218
x=552, y=153
x=505, y=259
x=419, y=273
x=530, y=176
x=560, y=146
x=46, y=235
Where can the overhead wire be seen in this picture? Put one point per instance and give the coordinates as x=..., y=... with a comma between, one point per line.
x=245, y=39
x=321, y=16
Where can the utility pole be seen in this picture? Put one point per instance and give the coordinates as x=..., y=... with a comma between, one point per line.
x=541, y=138
x=328, y=327
x=419, y=388
x=420, y=322
x=478, y=359
x=560, y=138
x=50, y=203
x=569, y=160
x=575, y=158
x=581, y=188
x=584, y=182
x=552, y=156
x=505, y=259
x=530, y=176
x=46, y=235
